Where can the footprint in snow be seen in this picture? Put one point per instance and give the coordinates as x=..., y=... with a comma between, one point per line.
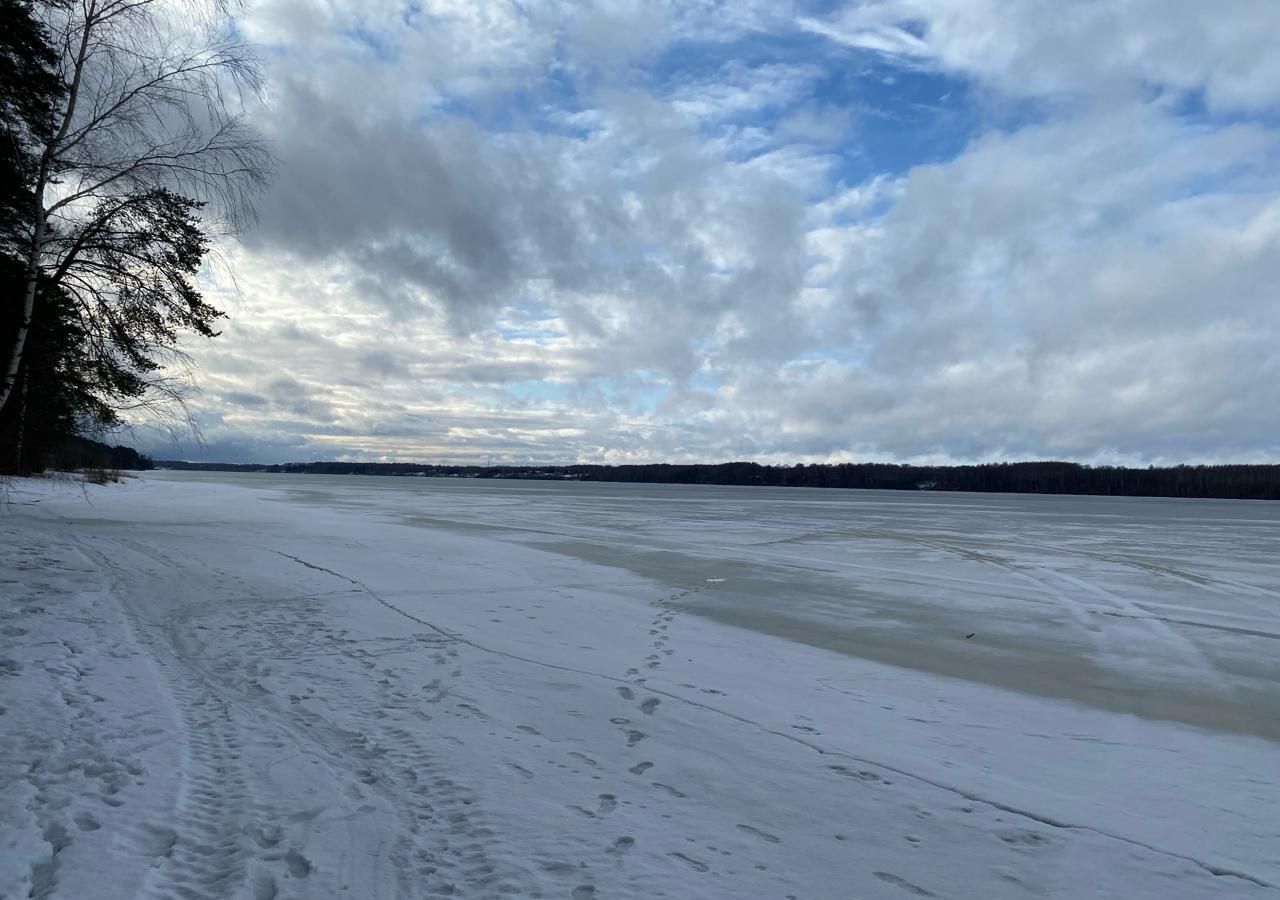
x=648, y=706
x=898, y=881
x=299, y=865
x=763, y=835
x=695, y=864
x=859, y=774
x=621, y=845
x=266, y=836
x=1024, y=838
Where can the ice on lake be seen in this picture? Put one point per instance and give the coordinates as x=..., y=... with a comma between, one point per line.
x=319, y=686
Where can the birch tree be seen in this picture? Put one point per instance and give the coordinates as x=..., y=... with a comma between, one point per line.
x=145, y=161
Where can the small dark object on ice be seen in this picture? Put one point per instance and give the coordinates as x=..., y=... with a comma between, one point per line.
x=969, y=635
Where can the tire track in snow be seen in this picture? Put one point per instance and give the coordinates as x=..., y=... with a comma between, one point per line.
x=1120, y=607
x=258, y=839
x=202, y=854
x=1223, y=587
x=1166, y=634
x=1078, y=611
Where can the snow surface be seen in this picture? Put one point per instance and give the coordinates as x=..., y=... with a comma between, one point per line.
x=345, y=687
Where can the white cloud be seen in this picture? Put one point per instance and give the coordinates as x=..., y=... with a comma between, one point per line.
x=1225, y=49
x=634, y=264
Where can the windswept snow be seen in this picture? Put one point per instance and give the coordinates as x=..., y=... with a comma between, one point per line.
x=375, y=688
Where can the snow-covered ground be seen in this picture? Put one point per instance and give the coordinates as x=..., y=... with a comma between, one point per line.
x=366, y=688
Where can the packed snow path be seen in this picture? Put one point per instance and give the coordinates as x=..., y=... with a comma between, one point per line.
x=424, y=689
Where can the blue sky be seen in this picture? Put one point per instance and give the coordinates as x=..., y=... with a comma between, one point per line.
x=635, y=231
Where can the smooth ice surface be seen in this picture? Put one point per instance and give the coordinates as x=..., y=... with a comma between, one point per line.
x=291, y=686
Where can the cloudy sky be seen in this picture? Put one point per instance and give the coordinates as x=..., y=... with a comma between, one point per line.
x=945, y=230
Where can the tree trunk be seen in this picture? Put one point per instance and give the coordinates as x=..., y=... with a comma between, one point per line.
x=37, y=234
x=22, y=423
x=28, y=306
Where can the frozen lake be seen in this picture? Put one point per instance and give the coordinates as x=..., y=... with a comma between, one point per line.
x=1157, y=607
x=270, y=686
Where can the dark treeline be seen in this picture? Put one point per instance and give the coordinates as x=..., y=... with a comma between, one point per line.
x=1242, y=482
x=74, y=452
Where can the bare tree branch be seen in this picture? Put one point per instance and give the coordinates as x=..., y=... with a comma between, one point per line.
x=147, y=159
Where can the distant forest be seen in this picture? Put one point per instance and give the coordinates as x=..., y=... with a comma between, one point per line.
x=75, y=453
x=1238, y=482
